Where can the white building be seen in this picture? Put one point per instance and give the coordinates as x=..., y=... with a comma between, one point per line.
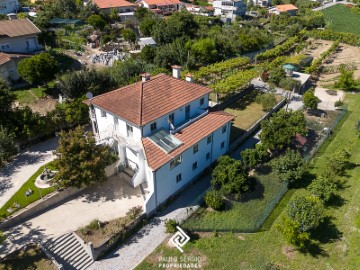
x=8, y=6
x=163, y=7
x=229, y=9
x=262, y=3
x=162, y=130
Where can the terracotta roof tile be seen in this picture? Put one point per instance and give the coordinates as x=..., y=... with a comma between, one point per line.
x=286, y=7
x=4, y=58
x=143, y=102
x=156, y=157
x=162, y=2
x=112, y=3
x=16, y=28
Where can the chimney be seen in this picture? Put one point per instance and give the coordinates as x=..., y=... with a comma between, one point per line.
x=145, y=77
x=189, y=78
x=176, y=71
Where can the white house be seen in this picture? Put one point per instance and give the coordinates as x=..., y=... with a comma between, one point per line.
x=229, y=9
x=124, y=8
x=8, y=67
x=8, y=6
x=262, y=3
x=284, y=9
x=162, y=130
x=19, y=36
x=163, y=7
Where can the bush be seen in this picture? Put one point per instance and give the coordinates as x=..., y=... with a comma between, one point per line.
x=267, y=100
x=170, y=226
x=214, y=199
x=322, y=188
x=134, y=212
x=94, y=225
x=339, y=103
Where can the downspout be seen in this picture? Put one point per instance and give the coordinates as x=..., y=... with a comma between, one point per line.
x=211, y=152
x=228, y=137
x=155, y=189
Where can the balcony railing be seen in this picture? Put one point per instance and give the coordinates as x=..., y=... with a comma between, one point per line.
x=188, y=122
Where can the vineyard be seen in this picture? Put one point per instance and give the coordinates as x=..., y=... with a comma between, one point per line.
x=342, y=19
x=347, y=38
x=315, y=65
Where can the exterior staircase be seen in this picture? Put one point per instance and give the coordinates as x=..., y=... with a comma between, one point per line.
x=69, y=251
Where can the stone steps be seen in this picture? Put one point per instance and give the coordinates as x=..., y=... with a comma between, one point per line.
x=69, y=251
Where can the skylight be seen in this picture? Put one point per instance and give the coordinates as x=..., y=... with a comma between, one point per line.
x=165, y=141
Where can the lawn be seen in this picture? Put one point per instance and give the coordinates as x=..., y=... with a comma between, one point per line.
x=342, y=20
x=33, y=258
x=239, y=215
x=339, y=237
x=247, y=112
x=26, y=95
x=20, y=198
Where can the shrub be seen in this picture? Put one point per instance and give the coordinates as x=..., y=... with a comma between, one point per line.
x=322, y=188
x=170, y=225
x=339, y=103
x=94, y=225
x=134, y=212
x=214, y=199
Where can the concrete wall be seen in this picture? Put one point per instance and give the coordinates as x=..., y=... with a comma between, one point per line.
x=8, y=6
x=18, y=44
x=39, y=206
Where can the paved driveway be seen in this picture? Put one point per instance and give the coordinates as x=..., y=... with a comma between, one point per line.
x=108, y=201
x=23, y=166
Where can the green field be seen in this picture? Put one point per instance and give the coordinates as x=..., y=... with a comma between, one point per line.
x=342, y=20
x=339, y=236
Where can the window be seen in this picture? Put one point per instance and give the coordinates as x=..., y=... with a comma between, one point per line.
x=195, y=165
x=202, y=101
x=187, y=112
x=153, y=126
x=222, y=145
x=195, y=148
x=178, y=178
x=207, y=156
x=209, y=139
x=116, y=123
x=223, y=129
x=176, y=161
x=103, y=113
x=5, y=46
x=171, y=118
x=129, y=130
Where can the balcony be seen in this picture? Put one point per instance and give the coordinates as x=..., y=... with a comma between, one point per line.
x=188, y=122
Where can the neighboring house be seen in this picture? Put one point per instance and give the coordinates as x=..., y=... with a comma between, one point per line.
x=8, y=6
x=19, y=36
x=229, y=10
x=163, y=7
x=162, y=130
x=146, y=41
x=121, y=6
x=199, y=10
x=8, y=67
x=262, y=3
x=284, y=9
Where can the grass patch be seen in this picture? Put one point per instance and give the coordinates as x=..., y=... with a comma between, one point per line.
x=339, y=239
x=342, y=19
x=20, y=198
x=31, y=258
x=239, y=215
x=27, y=95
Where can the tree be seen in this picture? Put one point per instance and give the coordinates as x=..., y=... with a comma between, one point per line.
x=310, y=100
x=141, y=12
x=289, y=84
x=346, y=79
x=96, y=21
x=147, y=24
x=229, y=176
x=148, y=54
x=276, y=75
x=323, y=188
x=129, y=35
x=338, y=161
x=289, y=167
x=38, y=68
x=6, y=102
x=204, y=50
x=278, y=131
x=80, y=161
x=254, y=156
x=267, y=100
x=214, y=199
x=7, y=146
x=303, y=215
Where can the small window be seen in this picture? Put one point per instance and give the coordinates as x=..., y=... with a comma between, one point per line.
x=209, y=139
x=195, y=165
x=178, y=178
x=176, y=161
x=202, y=101
x=116, y=123
x=222, y=145
x=171, y=118
x=153, y=126
x=207, y=156
x=103, y=113
x=195, y=148
x=129, y=130
x=224, y=129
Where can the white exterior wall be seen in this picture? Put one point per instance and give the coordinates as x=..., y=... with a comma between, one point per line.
x=8, y=6
x=8, y=72
x=165, y=179
x=179, y=114
x=18, y=44
x=231, y=12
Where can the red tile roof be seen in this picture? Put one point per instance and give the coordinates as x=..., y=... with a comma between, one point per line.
x=16, y=28
x=4, y=58
x=286, y=7
x=112, y=3
x=189, y=136
x=162, y=2
x=143, y=102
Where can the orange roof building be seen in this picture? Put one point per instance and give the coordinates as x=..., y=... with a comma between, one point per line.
x=162, y=129
x=164, y=7
x=121, y=5
x=286, y=8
